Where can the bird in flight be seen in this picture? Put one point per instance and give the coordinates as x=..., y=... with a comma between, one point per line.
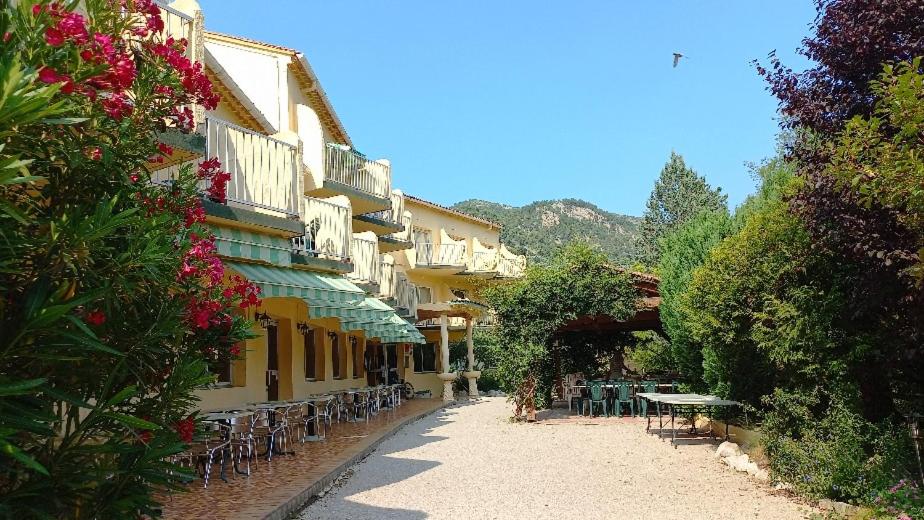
x=677, y=57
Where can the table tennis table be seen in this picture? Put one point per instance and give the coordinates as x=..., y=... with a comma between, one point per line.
x=689, y=403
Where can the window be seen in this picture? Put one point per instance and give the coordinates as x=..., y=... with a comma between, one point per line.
x=222, y=369
x=311, y=357
x=357, y=352
x=425, y=358
x=335, y=354
x=424, y=295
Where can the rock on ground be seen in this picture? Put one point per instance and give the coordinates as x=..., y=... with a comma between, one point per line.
x=469, y=461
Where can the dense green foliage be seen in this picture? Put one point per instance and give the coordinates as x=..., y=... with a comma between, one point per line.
x=579, y=281
x=111, y=298
x=682, y=251
x=679, y=194
x=540, y=229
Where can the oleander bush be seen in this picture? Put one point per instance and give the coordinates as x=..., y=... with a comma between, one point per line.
x=113, y=303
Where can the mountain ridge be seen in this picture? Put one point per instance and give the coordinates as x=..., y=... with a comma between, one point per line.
x=539, y=228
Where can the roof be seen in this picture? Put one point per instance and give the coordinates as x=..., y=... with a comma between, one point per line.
x=307, y=80
x=451, y=211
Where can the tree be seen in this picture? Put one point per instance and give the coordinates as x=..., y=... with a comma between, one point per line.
x=114, y=302
x=679, y=194
x=682, y=251
x=852, y=41
x=578, y=282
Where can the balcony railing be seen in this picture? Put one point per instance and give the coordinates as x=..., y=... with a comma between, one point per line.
x=327, y=231
x=406, y=294
x=511, y=267
x=366, y=262
x=179, y=26
x=396, y=213
x=488, y=319
x=387, y=281
x=348, y=167
x=264, y=170
x=451, y=321
x=442, y=254
x=483, y=261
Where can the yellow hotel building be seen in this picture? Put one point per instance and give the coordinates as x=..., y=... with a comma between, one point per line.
x=361, y=284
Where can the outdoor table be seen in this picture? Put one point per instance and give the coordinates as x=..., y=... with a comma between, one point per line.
x=271, y=422
x=314, y=426
x=690, y=402
x=225, y=418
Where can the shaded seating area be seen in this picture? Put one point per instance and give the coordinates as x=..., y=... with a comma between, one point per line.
x=236, y=439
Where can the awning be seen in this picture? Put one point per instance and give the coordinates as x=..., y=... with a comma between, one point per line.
x=392, y=329
x=331, y=296
x=232, y=242
x=319, y=288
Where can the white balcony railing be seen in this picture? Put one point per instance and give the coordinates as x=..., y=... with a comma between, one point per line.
x=179, y=26
x=483, y=261
x=366, y=263
x=387, y=281
x=451, y=321
x=264, y=170
x=488, y=319
x=346, y=166
x=396, y=213
x=407, y=221
x=511, y=267
x=327, y=231
x=441, y=254
x=406, y=294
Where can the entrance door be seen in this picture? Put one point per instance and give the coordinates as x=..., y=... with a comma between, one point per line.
x=373, y=364
x=391, y=363
x=272, y=363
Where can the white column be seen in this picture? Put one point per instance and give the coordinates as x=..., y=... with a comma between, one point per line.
x=446, y=376
x=472, y=375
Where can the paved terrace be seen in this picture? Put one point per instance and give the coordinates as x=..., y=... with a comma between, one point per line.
x=275, y=489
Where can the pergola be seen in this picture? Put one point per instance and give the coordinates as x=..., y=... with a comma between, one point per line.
x=460, y=308
x=646, y=316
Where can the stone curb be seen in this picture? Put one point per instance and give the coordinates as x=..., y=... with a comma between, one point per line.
x=294, y=505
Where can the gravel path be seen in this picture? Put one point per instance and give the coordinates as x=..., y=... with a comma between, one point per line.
x=468, y=461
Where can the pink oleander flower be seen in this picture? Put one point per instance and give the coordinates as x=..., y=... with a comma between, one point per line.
x=54, y=37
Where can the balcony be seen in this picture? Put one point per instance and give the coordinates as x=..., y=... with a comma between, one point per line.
x=405, y=295
x=510, y=265
x=387, y=278
x=444, y=257
x=264, y=170
x=183, y=26
x=364, y=252
x=367, y=183
x=327, y=233
x=384, y=222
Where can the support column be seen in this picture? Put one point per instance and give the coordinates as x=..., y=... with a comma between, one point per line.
x=446, y=376
x=472, y=375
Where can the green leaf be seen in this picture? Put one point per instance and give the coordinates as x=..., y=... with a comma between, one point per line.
x=20, y=387
x=13, y=452
x=65, y=120
x=132, y=421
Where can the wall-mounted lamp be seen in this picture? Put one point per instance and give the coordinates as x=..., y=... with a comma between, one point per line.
x=264, y=320
x=303, y=328
x=331, y=335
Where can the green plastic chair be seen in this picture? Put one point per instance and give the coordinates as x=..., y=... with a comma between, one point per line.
x=623, y=396
x=648, y=387
x=595, y=395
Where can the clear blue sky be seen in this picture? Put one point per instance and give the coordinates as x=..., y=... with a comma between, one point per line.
x=516, y=101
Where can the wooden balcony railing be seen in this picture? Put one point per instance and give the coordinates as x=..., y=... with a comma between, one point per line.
x=264, y=170
x=387, y=280
x=348, y=167
x=511, y=267
x=366, y=263
x=442, y=254
x=483, y=261
x=327, y=231
x=406, y=294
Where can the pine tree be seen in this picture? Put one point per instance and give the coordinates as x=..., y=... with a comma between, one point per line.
x=679, y=195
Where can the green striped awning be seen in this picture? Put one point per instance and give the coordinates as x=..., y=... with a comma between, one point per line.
x=252, y=246
x=319, y=288
x=393, y=329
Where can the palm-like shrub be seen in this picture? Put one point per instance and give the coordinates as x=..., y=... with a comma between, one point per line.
x=112, y=301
